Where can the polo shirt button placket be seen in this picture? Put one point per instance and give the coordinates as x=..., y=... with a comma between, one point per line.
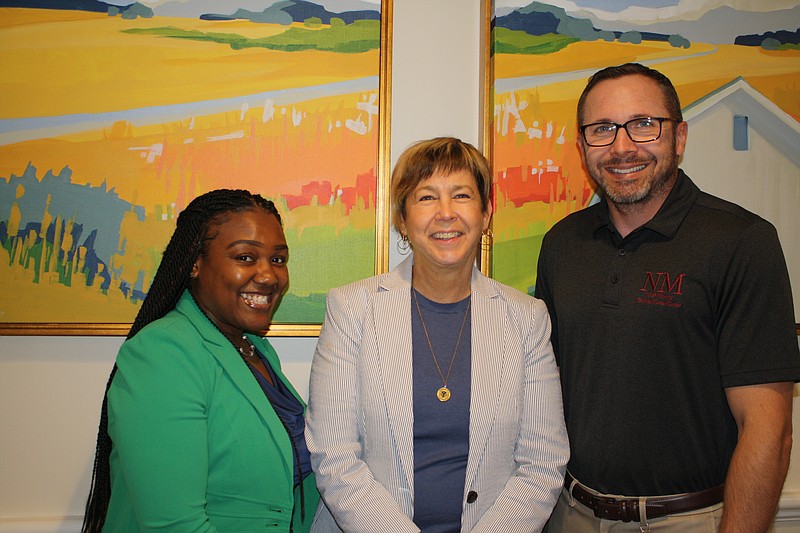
x=614, y=277
x=613, y=284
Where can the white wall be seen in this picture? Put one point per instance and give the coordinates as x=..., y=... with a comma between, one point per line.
x=51, y=387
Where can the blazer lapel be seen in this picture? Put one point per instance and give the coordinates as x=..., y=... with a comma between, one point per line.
x=488, y=334
x=394, y=361
x=241, y=376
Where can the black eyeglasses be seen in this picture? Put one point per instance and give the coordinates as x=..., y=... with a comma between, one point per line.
x=640, y=130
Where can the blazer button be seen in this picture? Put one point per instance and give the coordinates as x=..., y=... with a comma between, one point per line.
x=472, y=496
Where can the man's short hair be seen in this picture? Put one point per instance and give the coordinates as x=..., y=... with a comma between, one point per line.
x=671, y=99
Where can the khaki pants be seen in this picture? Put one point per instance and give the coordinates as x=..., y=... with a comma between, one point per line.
x=577, y=518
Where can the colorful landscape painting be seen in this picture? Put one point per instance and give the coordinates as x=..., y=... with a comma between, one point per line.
x=543, y=54
x=114, y=117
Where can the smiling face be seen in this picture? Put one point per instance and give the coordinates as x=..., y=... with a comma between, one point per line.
x=240, y=279
x=444, y=221
x=628, y=172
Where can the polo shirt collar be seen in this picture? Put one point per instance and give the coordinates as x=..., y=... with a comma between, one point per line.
x=671, y=215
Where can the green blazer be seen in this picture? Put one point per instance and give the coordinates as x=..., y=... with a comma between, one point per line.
x=197, y=445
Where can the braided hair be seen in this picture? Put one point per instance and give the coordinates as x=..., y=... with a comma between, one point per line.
x=188, y=243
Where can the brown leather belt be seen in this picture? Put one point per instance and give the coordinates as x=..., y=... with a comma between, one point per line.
x=627, y=509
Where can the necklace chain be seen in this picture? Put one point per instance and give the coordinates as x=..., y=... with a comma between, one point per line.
x=443, y=394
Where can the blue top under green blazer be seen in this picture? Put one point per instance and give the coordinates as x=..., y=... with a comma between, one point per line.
x=197, y=445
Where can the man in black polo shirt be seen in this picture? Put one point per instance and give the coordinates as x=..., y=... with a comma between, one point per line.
x=673, y=328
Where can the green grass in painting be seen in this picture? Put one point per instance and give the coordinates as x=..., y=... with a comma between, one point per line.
x=518, y=265
x=518, y=42
x=319, y=260
x=297, y=310
x=359, y=36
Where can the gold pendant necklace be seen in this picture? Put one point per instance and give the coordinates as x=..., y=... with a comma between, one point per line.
x=443, y=394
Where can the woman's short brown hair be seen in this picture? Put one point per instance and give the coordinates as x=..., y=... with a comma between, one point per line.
x=443, y=155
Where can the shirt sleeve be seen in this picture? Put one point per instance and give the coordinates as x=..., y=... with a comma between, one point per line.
x=755, y=325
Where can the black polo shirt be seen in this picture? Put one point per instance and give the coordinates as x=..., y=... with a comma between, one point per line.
x=648, y=331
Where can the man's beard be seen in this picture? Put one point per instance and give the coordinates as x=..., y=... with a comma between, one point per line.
x=653, y=186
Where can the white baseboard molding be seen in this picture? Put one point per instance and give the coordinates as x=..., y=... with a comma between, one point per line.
x=789, y=507
x=788, y=511
x=54, y=524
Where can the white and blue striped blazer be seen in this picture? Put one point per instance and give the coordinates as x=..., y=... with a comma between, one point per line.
x=360, y=410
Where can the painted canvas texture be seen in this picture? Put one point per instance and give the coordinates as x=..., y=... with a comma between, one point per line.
x=543, y=54
x=114, y=117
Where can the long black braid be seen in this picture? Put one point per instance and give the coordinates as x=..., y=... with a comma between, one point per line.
x=187, y=244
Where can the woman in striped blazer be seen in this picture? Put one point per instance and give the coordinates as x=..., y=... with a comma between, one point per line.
x=434, y=400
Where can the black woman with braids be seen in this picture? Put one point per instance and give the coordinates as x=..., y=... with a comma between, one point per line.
x=200, y=430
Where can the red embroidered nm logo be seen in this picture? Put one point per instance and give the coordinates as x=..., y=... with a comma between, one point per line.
x=661, y=289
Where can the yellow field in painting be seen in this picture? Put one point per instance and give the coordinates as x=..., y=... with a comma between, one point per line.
x=696, y=72
x=700, y=69
x=67, y=62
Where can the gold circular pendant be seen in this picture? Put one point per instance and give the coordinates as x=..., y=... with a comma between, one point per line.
x=443, y=394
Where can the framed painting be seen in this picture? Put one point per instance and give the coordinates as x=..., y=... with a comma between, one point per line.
x=729, y=63
x=116, y=114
